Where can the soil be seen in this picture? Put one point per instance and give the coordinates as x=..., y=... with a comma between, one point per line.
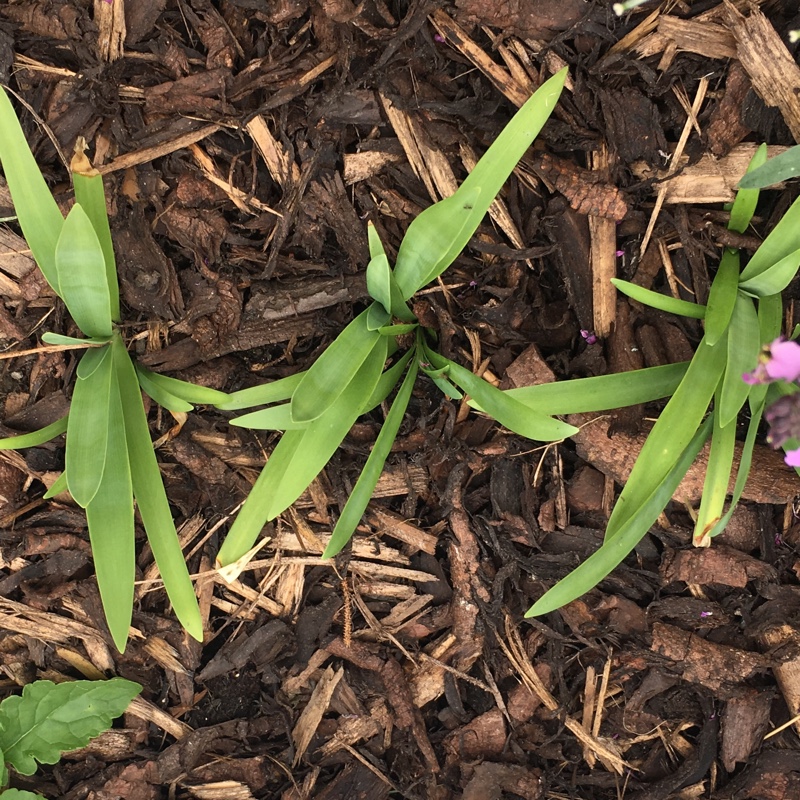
x=245, y=144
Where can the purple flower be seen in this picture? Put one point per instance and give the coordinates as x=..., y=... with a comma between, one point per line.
x=781, y=361
x=784, y=362
x=792, y=457
x=590, y=336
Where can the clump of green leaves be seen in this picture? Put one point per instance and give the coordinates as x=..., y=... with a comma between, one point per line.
x=49, y=719
x=317, y=408
x=743, y=313
x=109, y=455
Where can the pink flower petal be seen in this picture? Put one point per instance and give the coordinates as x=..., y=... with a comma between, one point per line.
x=784, y=362
x=792, y=457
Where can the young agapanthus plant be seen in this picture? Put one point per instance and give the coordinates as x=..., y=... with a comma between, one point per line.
x=48, y=719
x=110, y=460
x=317, y=408
x=744, y=311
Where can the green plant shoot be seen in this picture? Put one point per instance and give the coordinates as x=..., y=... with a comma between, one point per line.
x=110, y=461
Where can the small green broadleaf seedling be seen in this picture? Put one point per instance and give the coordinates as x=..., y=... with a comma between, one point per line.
x=317, y=408
x=109, y=455
x=743, y=312
x=49, y=719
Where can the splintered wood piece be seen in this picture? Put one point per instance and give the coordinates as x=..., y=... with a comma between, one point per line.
x=715, y=666
x=283, y=170
x=110, y=21
x=768, y=62
x=245, y=204
x=387, y=523
x=782, y=640
x=603, y=252
x=288, y=542
x=427, y=161
x=458, y=38
x=16, y=261
x=312, y=714
x=587, y=193
x=769, y=481
x=146, y=154
x=710, y=180
x=360, y=166
x=699, y=35
x=745, y=720
x=144, y=709
x=515, y=652
x=719, y=564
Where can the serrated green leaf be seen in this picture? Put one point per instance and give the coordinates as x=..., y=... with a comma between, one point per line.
x=111, y=527
x=37, y=211
x=614, y=550
x=502, y=407
x=20, y=794
x=82, y=280
x=49, y=718
x=368, y=479
x=299, y=458
x=35, y=438
x=602, y=392
x=671, y=305
x=775, y=278
x=670, y=436
x=722, y=296
x=441, y=232
x=151, y=498
x=780, y=168
x=744, y=206
x=744, y=344
x=91, y=197
x=334, y=370
x=3, y=772
x=87, y=428
x=265, y=393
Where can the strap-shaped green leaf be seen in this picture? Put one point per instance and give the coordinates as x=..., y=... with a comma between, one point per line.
x=59, y=485
x=387, y=382
x=50, y=718
x=35, y=438
x=376, y=247
x=775, y=278
x=89, y=194
x=613, y=550
x=82, y=280
x=718, y=475
x=334, y=370
x=382, y=287
x=779, y=168
x=58, y=339
x=722, y=296
x=368, y=479
x=190, y=392
x=503, y=407
x=441, y=382
x=87, y=429
x=37, y=212
x=670, y=436
x=440, y=233
x=744, y=344
x=265, y=393
x=377, y=317
x=744, y=206
x=151, y=498
x=274, y=418
x=671, y=305
x=398, y=330
x=783, y=240
x=603, y=392
x=299, y=458
x=111, y=528
x=161, y=396
x=90, y=361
